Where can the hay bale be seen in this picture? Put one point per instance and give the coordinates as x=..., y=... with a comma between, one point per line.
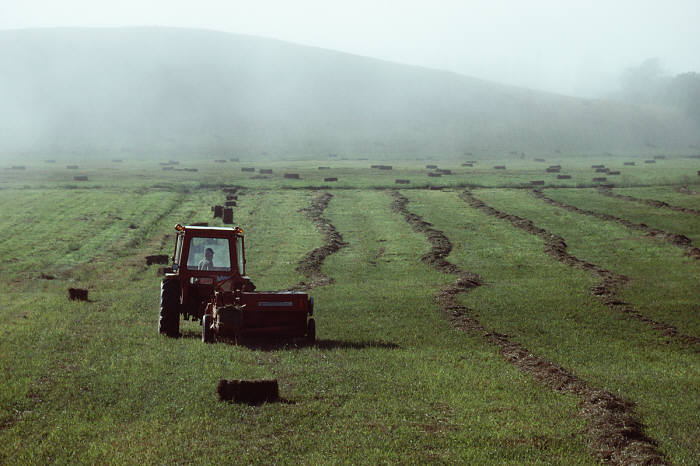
x=597, y=166
x=630, y=163
x=157, y=259
x=234, y=159
x=228, y=215
x=435, y=175
x=173, y=162
x=500, y=167
x=537, y=182
x=444, y=171
x=540, y=160
x=248, y=391
x=266, y=171
x=80, y=178
x=247, y=169
x=218, y=211
x=385, y=167
x=333, y=178
x=563, y=177
x=169, y=167
x=436, y=188
x=599, y=179
x=324, y=168
x=553, y=170
x=431, y=167
x=230, y=203
x=660, y=157
x=616, y=172
x=607, y=186
x=292, y=176
x=231, y=197
x=467, y=164
x=374, y=166
x=77, y=294
x=399, y=181
x=72, y=167
x=602, y=170
x=18, y=167
x=191, y=169
x=650, y=161
x=220, y=161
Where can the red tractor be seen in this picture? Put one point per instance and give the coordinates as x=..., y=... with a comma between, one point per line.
x=208, y=283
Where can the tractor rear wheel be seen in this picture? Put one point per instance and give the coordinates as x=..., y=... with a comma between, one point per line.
x=311, y=331
x=207, y=331
x=169, y=317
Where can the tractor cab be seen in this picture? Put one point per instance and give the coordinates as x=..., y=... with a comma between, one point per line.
x=204, y=257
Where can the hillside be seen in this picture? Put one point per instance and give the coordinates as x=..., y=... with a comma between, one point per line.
x=156, y=91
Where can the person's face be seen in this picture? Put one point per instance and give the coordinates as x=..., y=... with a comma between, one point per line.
x=209, y=254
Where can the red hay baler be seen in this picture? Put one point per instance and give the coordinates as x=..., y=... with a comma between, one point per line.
x=208, y=283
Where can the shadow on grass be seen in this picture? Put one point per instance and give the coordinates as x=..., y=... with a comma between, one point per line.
x=271, y=344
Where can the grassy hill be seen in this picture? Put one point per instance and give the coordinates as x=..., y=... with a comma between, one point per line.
x=145, y=91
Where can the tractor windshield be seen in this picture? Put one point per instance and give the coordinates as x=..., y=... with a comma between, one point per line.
x=209, y=254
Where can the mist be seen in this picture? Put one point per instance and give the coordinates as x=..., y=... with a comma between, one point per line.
x=312, y=78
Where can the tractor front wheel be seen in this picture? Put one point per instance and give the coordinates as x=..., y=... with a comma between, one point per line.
x=207, y=331
x=311, y=331
x=169, y=317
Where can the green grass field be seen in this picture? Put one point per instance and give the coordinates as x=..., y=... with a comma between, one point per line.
x=390, y=380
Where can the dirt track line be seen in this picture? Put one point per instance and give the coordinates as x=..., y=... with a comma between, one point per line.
x=649, y=202
x=610, y=283
x=310, y=265
x=616, y=436
x=680, y=241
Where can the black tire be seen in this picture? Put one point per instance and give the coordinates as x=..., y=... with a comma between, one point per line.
x=311, y=331
x=169, y=317
x=207, y=331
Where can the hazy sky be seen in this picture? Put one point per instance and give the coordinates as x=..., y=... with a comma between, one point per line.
x=570, y=47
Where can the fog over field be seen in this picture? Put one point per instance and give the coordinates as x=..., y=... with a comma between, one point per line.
x=418, y=79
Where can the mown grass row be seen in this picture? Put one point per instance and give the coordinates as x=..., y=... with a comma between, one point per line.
x=547, y=307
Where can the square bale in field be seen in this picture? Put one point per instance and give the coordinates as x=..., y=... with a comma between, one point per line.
x=234, y=159
x=385, y=167
x=650, y=161
x=630, y=164
x=220, y=161
x=606, y=186
x=614, y=172
x=292, y=176
x=191, y=169
x=324, y=168
x=329, y=179
x=231, y=197
x=555, y=166
x=374, y=166
x=72, y=167
x=400, y=181
x=266, y=171
x=597, y=166
x=436, y=188
x=157, y=259
x=499, y=167
x=77, y=294
x=537, y=182
x=80, y=178
x=563, y=177
x=602, y=170
x=247, y=169
x=218, y=211
x=660, y=157
x=228, y=215
x=444, y=171
x=540, y=160
x=434, y=175
x=431, y=167
x=230, y=204
x=467, y=164
x=597, y=180
x=248, y=391
x=553, y=170
x=167, y=168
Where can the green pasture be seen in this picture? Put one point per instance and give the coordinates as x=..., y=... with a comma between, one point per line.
x=389, y=380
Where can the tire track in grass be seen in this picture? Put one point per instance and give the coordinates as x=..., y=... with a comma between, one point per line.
x=680, y=241
x=610, y=283
x=310, y=265
x=649, y=202
x=616, y=435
